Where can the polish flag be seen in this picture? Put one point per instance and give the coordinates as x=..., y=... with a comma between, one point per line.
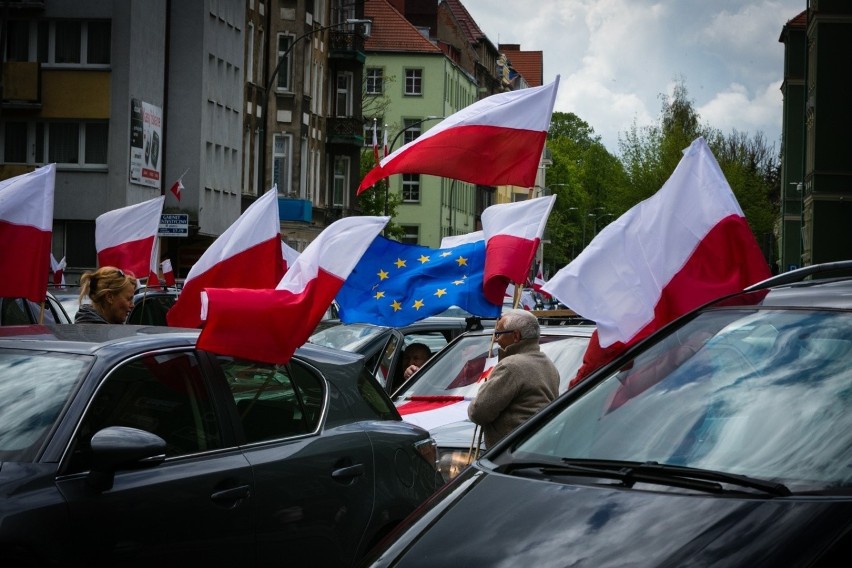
x=684, y=246
x=506, y=131
x=58, y=269
x=168, y=273
x=539, y=282
x=153, y=269
x=246, y=255
x=290, y=255
x=26, y=226
x=176, y=188
x=512, y=232
x=269, y=325
x=125, y=237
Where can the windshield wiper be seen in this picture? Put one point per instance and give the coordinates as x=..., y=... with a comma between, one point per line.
x=629, y=473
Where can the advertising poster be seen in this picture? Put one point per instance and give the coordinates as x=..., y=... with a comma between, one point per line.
x=145, y=135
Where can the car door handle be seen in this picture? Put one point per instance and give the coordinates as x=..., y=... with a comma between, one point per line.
x=232, y=494
x=346, y=473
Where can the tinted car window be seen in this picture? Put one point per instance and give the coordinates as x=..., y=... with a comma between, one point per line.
x=270, y=403
x=33, y=391
x=759, y=393
x=163, y=394
x=377, y=400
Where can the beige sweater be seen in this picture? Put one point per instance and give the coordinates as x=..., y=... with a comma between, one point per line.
x=523, y=381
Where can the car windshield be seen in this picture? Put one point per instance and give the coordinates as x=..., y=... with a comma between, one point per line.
x=34, y=387
x=762, y=393
x=460, y=368
x=346, y=337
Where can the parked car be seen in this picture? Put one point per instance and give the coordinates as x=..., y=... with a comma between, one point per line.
x=124, y=444
x=20, y=311
x=437, y=396
x=382, y=346
x=721, y=440
x=150, y=305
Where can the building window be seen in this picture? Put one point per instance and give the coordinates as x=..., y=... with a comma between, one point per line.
x=411, y=129
x=250, y=54
x=18, y=40
x=375, y=81
x=411, y=188
x=411, y=234
x=284, y=60
x=343, y=99
x=83, y=144
x=64, y=42
x=368, y=133
x=341, y=181
x=282, y=155
x=413, y=81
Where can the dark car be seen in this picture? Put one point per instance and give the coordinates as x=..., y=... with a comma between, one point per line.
x=150, y=305
x=437, y=396
x=382, y=346
x=722, y=440
x=123, y=444
x=20, y=311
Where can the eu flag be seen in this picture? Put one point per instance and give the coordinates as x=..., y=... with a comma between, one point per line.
x=395, y=284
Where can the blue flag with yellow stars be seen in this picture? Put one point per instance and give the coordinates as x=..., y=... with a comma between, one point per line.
x=395, y=284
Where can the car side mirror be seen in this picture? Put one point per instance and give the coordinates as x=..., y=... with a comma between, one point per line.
x=121, y=447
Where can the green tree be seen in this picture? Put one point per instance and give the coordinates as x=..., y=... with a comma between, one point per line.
x=372, y=200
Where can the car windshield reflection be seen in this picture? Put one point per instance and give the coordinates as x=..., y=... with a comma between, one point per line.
x=757, y=393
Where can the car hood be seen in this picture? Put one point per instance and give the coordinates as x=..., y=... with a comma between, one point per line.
x=500, y=520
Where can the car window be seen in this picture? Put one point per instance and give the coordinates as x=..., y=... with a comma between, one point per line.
x=760, y=393
x=14, y=312
x=376, y=399
x=274, y=401
x=151, y=310
x=164, y=394
x=34, y=388
x=384, y=370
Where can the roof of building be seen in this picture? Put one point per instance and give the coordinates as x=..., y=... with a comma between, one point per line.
x=530, y=64
x=468, y=24
x=392, y=32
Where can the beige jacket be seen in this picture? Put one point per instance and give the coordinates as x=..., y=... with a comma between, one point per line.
x=523, y=381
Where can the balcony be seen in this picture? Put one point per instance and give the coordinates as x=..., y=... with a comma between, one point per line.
x=22, y=85
x=295, y=210
x=347, y=45
x=345, y=130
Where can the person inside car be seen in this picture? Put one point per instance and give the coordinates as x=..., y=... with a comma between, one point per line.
x=413, y=358
x=111, y=292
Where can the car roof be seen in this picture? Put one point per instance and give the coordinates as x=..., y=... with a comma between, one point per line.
x=834, y=293
x=90, y=339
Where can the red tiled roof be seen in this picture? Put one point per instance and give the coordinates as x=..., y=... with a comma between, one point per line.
x=468, y=24
x=530, y=64
x=392, y=32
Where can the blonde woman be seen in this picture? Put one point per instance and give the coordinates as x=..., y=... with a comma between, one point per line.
x=111, y=292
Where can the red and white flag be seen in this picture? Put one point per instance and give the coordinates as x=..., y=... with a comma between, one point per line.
x=512, y=232
x=58, y=270
x=506, y=131
x=177, y=187
x=168, y=273
x=290, y=255
x=269, y=325
x=385, y=142
x=246, y=255
x=539, y=282
x=684, y=246
x=125, y=237
x=153, y=268
x=26, y=226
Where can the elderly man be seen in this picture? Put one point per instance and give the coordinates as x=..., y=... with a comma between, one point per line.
x=523, y=381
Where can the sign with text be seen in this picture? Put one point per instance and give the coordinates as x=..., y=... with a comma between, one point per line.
x=174, y=225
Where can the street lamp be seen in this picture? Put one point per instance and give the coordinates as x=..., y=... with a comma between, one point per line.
x=390, y=150
x=265, y=92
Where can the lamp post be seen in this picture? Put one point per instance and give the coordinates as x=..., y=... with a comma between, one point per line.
x=272, y=77
x=393, y=142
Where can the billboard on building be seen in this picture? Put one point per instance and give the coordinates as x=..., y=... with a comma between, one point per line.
x=145, y=136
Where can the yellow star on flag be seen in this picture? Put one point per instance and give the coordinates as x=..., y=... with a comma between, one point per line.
x=440, y=292
x=462, y=261
x=423, y=259
x=379, y=295
x=400, y=263
x=382, y=275
x=418, y=304
x=396, y=306
x=446, y=253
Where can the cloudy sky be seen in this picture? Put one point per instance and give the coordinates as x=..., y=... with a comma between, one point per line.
x=616, y=57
